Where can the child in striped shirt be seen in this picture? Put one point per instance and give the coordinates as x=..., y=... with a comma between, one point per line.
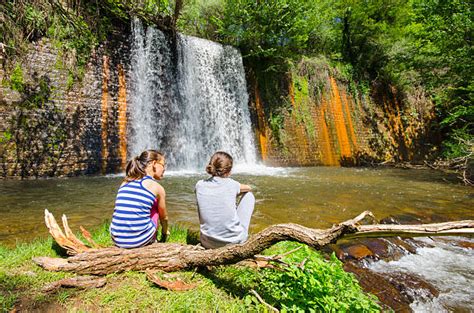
x=140, y=203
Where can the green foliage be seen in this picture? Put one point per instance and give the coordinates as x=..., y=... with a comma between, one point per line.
x=75, y=28
x=276, y=123
x=311, y=283
x=442, y=37
x=201, y=18
x=302, y=104
x=409, y=44
x=368, y=32
x=459, y=144
x=16, y=79
x=276, y=29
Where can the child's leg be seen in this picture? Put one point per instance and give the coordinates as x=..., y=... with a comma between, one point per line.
x=154, y=213
x=245, y=209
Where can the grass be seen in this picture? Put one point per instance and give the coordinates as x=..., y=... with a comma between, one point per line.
x=219, y=289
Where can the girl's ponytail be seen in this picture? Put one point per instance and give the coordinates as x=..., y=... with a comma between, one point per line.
x=136, y=167
x=211, y=169
x=220, y=164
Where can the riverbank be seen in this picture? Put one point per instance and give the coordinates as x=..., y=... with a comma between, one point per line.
x=311, y=281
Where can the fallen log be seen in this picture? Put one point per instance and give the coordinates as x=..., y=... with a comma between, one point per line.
x=174, y=257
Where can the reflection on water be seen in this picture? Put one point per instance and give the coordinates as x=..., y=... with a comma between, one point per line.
x=314, y=197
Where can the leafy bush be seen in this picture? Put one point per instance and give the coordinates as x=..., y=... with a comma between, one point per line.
x=311, y=283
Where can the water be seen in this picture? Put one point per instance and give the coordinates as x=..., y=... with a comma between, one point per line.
x=153, y=93
x=448, y=266
x=188, y=101
x=314, y=197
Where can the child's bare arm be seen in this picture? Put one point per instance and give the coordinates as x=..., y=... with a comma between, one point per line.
x=245, y=188
x=163, y=213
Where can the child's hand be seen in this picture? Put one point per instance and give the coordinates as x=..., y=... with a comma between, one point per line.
x=164, y=236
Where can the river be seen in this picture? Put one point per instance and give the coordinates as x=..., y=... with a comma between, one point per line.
x=314, y=197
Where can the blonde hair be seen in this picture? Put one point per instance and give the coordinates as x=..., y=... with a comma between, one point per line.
x=220, y=164
x=136, y=167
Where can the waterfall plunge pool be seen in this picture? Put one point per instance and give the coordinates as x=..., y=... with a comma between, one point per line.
x=314, y=197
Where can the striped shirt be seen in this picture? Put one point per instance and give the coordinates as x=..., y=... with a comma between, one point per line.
x=131, y=225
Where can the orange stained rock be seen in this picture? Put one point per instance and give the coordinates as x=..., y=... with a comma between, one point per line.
x=105, y=111
x=338, y=115
x=391, y=121
x=261, y=125
x=394, y=119
x=122, y=116
x=327, y=155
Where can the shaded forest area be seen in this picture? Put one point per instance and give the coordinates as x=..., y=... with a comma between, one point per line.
x=415, y=46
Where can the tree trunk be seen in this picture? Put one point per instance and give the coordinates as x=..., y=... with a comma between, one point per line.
x=175, y=257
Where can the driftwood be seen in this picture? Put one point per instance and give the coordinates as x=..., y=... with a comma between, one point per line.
x=82, y=282
x=175, y=285
x=175, y=257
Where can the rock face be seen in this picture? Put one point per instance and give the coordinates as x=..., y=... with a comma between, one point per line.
x=57, y=126
x=312, y=118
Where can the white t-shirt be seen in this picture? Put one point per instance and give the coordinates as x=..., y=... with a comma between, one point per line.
x=217, y=207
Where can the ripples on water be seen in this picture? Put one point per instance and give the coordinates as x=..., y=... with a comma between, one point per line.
x=314, y=197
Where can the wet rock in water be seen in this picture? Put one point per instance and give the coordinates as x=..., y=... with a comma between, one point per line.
x=349, y=251
x=436, y=218
x=394, y=290
x=453, y=241
x=408, y=244
x=407, y=219
x=329, y=249
x=380, y=286
x=466, y=244
x=371, y=248
x=358, y=252
x=412, y=286
x=378, y=246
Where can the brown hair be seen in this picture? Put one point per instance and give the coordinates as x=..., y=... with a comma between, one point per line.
x=135, y=168
x=220, y=164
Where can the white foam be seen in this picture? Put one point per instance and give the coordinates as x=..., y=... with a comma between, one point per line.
x=239, y=169
x=262, y=170
x=448, y=267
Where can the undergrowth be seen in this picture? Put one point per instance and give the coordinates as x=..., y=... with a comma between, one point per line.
x=307, y=283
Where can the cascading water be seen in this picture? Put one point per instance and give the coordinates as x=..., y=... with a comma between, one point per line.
x=445, y=264
x=191, y=106
x=153, y=95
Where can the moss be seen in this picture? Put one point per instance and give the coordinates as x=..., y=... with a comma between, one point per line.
x=16, y=79
x=70, y=80
x=303, y=104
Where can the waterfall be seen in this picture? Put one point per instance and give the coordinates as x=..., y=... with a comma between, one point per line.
x=190, y=104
